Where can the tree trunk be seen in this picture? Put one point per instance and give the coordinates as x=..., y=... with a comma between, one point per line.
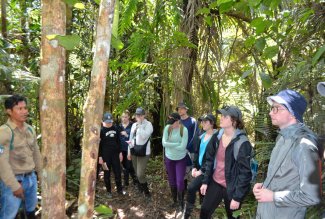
x=4, y=18
x=52, y=107
x=190, y=27
x=93, y=110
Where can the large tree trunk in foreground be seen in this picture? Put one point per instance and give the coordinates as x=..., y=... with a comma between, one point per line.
x=52, y=110
x=93, y=110
x=4, y=18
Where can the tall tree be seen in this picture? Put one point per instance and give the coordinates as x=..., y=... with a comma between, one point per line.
x=93, y=109
x=4, y=18
x=52, y=106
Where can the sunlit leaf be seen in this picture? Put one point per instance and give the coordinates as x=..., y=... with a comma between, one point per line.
x=79, y=5
x=51, y=37
x=104, y=210
x=266, y=80
x=203, y=11
x=97, y=1
x=69, y=42
x=318, y=54
x=250, y=41
x=117, y=43
x=220, y=2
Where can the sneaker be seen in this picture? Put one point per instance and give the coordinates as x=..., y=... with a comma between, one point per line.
x=122, y=192
x=109, y=195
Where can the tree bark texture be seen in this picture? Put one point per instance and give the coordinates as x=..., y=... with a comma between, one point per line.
x=93, y=110
x=52, y=110
x=4, y=18
x=190, y=27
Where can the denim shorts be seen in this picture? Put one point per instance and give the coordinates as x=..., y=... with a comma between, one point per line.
x=9, y=204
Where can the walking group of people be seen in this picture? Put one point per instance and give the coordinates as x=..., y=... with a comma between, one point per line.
x=212, y=162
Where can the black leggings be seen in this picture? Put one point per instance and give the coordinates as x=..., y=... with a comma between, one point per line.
x=214, y=195
x=127, y=168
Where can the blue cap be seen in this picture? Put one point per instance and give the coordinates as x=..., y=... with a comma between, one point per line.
x=108, y=118
x=292, y=100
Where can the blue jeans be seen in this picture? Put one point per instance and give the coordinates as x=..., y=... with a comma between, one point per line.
x=9, y=204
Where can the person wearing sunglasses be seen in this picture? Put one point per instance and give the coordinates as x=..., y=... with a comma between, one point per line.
x=293, y=177
x=227, y=167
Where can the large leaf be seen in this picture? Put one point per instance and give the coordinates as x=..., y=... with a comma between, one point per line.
x=260, y=44
x=254, y=3
x=117, y=43
x=270, y=52
x=260, y=25
x=266, y=80
x=226, y=7
x=69, y=42
x=104, y=210
x=318, y=54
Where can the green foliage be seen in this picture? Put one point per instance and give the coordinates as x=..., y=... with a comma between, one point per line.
x=69, y=42
x=103, y=210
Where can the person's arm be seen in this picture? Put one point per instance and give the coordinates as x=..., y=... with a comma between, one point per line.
x=100, y=144
x=37, y=156
x=210, y=154
x=166, y=143
x=245, y=173
x=306, y=159
x=6, y=173
x=145, y=130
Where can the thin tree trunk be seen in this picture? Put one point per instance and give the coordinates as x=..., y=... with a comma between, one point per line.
x=4, y=18
x=93, y=110
x=52, y=107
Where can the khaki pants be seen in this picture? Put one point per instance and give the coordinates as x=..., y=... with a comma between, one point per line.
x=140, y=165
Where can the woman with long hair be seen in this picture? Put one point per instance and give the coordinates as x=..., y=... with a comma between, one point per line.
x=228, y=165
x=174, y=141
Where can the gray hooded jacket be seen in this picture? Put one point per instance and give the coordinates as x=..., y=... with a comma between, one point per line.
x=293, y=175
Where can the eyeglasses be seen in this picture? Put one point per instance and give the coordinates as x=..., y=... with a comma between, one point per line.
x=275, y=109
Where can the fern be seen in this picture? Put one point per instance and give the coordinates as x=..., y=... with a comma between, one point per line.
x=127, y=15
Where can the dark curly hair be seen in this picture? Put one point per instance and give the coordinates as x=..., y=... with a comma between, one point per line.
x=12, y=101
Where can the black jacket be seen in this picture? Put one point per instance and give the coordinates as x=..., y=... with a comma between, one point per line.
x=196, y=146
x=237, y=172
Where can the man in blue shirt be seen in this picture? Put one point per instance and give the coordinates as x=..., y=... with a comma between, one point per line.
x=191, y=125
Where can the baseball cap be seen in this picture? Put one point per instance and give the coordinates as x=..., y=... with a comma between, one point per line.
x=108, y=118
x=209, y=117
x=173, y=118
x=292, y=100
x=231, y=111
x=140, y=111
x=181, y=105
x=321, y=88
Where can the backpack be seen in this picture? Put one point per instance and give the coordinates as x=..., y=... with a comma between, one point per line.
x=253, y=162
x=11, y=147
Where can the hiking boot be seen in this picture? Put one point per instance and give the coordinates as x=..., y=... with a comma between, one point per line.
x=180, y=196
x=188, y=210
x=145, y=190
x=174, y=196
